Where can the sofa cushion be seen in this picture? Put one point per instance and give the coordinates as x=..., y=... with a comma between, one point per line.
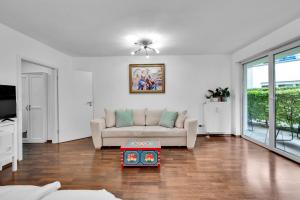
x=168, y=119
x=153, y=117
x=124, y=118
x=180, y=119
x=139, y=117
x=143, y=131
x=110, y=118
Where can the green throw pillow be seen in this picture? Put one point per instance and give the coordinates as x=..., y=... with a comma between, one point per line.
x=124, y=118
x=168, y=119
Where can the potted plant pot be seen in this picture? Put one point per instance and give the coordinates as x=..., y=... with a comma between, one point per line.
x=215, y=99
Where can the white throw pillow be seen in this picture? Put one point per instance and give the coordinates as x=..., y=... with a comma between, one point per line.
x=180, y=119
x=153, y=117
x=139, y=117
x=110, y=118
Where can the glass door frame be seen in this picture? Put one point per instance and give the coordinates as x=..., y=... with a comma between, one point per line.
x=272, y=100
x=244, y=99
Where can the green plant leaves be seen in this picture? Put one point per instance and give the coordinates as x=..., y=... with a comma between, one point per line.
x=287, y=106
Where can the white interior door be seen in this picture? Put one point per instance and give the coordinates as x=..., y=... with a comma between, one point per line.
x=34, y=102
x=76, y=105
x=38, y=107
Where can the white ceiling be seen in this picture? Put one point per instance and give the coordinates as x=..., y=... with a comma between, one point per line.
x=109, y=27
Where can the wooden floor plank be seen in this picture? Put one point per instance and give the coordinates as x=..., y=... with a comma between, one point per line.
x=218, y=168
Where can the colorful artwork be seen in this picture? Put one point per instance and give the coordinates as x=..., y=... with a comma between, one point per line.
x=131, y=157
x=149, y=157
x=147, y=78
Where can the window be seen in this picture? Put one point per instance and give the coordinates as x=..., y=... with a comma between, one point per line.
x=271, y=108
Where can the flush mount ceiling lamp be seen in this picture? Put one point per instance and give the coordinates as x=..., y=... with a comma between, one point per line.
x=144, y=48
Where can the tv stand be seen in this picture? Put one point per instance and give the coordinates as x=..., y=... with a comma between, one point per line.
x=7, y=119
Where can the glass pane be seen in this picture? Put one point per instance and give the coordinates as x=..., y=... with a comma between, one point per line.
x=256, y=105
x=287, y=105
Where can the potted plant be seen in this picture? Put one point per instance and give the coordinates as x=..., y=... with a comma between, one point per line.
x=225, y=94
x=218, y=94
x=214, y=96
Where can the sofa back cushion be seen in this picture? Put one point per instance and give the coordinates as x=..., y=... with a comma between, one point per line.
x=124, y=118
x=168, y=119
x=153, y=117
x=110, y=118
x=180, y=119
x=139, y=117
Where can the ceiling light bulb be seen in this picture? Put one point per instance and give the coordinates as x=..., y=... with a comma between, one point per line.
x=132, y=53
x=157, y=51
x=147, y=56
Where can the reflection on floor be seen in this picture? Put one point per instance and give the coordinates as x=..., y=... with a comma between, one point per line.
x=283, y=142
x=218, y=168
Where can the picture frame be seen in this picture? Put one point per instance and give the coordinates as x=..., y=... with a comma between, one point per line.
x=146, y=78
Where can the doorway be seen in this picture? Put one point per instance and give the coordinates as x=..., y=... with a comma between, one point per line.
x=271, y=100
x=72, y=102
x=38, y=103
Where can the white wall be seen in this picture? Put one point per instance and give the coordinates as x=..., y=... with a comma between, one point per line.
x=15, y=45
x=187, y=80
x=279, y=37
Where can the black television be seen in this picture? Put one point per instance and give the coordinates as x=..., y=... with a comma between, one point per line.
x=8, y=103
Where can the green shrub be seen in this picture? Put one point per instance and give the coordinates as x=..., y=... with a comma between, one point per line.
x=287, y=106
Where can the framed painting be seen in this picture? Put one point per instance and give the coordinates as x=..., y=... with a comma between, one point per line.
x=147, y=78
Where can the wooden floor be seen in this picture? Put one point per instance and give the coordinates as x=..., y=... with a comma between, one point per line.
x=225, y=168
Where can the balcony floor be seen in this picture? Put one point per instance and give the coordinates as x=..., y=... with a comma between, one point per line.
x=262, y=135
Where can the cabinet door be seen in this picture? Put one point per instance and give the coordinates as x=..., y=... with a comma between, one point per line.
x=211, y=117
x=149, y=158
x=131, y=158
x=6, y=138
x=217, y=117
x=38, y=108
x=6, y=144
x=224, y=111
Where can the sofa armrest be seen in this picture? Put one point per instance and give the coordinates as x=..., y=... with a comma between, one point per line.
x=191, y=126
x=97, y=125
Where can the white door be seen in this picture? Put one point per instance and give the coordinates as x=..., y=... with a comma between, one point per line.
x=35, y=112
x=38, y=107
x=75, y=105
x=25, y=106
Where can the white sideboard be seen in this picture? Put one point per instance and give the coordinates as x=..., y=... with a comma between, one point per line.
x=8, y=144
x=217, y=117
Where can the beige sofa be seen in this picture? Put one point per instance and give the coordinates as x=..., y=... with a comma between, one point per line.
x=145, y=128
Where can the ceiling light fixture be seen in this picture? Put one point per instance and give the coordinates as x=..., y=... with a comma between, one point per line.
x=144, y=48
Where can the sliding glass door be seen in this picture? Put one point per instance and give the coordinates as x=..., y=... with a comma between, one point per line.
x=287, y=101
x=256, y=104
x=271, y=101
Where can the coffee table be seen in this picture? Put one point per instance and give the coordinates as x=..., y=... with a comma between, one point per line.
x=140, y=154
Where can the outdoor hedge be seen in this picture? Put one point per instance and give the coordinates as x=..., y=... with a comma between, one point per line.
x=287, y=106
